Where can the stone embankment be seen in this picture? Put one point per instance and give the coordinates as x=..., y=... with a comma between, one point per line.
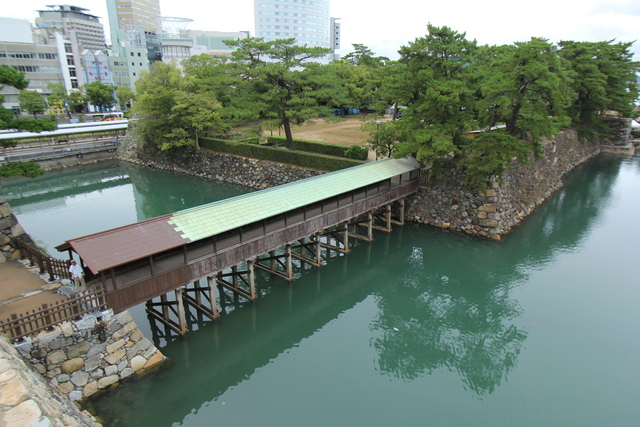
x=26, y=399
x=93, y=353
x=258, y=174
x=491, y=213
x=10, y=232
x=446, y=203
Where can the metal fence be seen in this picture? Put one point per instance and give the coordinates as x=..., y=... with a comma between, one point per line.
x=56, y=152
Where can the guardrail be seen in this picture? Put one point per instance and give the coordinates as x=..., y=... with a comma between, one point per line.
x=56, y=268
x=56, y=152
x=19, y=326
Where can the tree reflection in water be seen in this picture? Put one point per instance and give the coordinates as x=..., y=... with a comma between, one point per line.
x=449, y=310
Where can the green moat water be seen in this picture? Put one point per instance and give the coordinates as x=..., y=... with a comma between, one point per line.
x=420, y=327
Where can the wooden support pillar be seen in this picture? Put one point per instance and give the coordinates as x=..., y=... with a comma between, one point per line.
x=401, y=208
x=251, y=280
x=383, y=215
x=346, y=238
x=165, y=307
x=212, y=295
x=272, y=265
x=289, y=266
x=282, y=261
x=310, y=250
x=316, y=239
x=246, y=278
x=370, y=226
x=182, y=319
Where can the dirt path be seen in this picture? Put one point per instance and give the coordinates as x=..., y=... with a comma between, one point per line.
x=22, y=291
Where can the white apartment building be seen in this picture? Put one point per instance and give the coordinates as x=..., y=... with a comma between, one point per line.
x=43, y=60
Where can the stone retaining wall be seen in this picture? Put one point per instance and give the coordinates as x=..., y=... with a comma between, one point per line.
x=82, y=357
x=27, y=400
x=10, y=231
x=491, y=213
x=245, y=171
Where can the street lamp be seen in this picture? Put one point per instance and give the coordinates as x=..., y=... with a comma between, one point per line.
x=377, y=138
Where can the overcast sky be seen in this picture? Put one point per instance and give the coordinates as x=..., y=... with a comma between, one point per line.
x=384, y=26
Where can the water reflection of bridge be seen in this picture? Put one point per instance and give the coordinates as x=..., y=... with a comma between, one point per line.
x=224, y=242
x=60, y=184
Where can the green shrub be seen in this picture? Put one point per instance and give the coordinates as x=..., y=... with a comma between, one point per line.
x=274, y=154
x=635, y=133
x=357, y=152
x=29, y=169
x=321, y=147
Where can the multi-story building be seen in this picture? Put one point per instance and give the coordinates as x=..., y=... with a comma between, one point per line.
x=65, y=19
x=42, y=60
x=212, y=42
x=134, y=27
x=137, y=12
x=308, y=21
x=95, y=67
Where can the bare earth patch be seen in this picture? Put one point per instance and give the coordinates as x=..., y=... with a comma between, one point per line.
x=347, y=132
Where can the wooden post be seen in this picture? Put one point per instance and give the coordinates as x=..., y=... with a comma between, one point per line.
x=182, y=320
x=15, y=331
x=388, y=214
x=401, y=201
x=346, y=237
x=234, y=276
x=272, y=254
x=165, y=307
x=251, y=280
x=287, y=253
x=49, y=269
x=212, y=295
x=370, y=225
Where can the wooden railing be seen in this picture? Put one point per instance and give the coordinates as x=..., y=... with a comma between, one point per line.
x=56, y=268
x=19, y=325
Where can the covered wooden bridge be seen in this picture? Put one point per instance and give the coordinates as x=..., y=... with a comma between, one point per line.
x=224, y=242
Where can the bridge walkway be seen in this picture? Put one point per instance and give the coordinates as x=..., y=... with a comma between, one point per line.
x=224, y=242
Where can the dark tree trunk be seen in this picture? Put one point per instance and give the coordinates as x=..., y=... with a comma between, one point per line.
x=287, y=132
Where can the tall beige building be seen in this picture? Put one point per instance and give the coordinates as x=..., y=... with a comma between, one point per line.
x=131, y=13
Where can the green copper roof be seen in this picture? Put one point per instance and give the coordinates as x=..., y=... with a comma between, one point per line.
x=215, y=218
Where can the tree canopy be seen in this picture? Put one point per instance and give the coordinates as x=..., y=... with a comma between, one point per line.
x=10, y=76
x=276, y=81
x=100, y=95
x=171, y=114
x=447, y=85
x=33, y=102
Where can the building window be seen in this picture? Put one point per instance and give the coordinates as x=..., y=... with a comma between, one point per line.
x=131, y=53
x=134, y=74
x=139, y=54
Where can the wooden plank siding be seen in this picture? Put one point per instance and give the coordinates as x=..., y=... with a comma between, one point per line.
x=208, y=256
x=233, y=255
x=143, y=290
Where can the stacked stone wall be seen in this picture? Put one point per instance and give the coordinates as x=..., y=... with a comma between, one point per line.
x=80, y=358
x=245, y=171
x=10, y=232
x=493, y=211
x=26, y=399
